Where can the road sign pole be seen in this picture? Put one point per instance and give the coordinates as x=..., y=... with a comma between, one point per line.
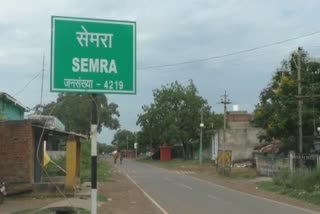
x=94, y=126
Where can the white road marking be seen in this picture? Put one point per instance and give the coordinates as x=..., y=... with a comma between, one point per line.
x=182, y=172
x=148, y=196
x=141, y=176
x=185, y=186
x=211, y=196
x=167, y=179
x=255, y=196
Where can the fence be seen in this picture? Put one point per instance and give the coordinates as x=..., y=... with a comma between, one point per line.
x=304, y=161
x=268, y=165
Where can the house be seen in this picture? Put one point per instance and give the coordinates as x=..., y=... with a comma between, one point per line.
x=22, y=144
x=240, y=137
x=10, y=108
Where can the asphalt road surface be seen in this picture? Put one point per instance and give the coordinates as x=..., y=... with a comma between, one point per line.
x=183, y=194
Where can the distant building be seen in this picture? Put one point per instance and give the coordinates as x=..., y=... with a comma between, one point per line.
x=10, y=108
x=238, y=119
x=241, y=137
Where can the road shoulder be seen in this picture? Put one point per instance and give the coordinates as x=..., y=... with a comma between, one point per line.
x=123, y=196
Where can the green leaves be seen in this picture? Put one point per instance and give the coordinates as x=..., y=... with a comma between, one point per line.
x=122, y=138
x=277, y=111
x=74, y=110
x=174, y=115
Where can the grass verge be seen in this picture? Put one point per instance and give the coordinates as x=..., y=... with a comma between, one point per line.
x=47, y=211
x=303, y=185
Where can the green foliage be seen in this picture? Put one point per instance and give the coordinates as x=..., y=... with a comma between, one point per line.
x=174, y=116
x=277, y=111
x=121, y=137
x=53, y=170
x=308, y=181
x=303, y=185
x=85, y=165
x=105, y=148
x=74, y=110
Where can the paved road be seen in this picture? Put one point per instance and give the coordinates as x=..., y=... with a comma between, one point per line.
x=183, y=194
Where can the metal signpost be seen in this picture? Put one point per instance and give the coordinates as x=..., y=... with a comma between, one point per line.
x=93, y=56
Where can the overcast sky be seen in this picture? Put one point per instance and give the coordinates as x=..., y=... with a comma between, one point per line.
x=167, y=32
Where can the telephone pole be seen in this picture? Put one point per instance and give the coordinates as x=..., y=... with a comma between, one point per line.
x=201, y=133
x=300, y=102
x=42, y=76
x=225, y=101
x=127, y=147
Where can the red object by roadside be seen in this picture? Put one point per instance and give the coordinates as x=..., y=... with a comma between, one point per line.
x=165, y=152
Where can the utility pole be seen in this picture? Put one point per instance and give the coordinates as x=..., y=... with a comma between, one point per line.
x=127, y=147
x=201, y=133
x=300, y=102
x=94, y=125
x=225, y=101
x=41, y=96
x=213, y=146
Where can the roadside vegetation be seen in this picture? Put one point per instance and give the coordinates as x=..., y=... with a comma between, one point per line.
x=304, y=185
x=46, y=211
x=104, y=172
x=208, y=167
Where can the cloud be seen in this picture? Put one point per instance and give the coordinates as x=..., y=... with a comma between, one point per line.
x=168, y=31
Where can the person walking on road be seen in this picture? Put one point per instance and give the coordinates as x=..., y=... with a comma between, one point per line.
x=120, y=157
x=115, y=156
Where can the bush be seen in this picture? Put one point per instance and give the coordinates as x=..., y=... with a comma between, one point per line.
x=305, y=180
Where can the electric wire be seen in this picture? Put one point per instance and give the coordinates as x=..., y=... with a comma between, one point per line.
x=45, y=170
x=40, y=142
x=26, y=85
x=231, y=53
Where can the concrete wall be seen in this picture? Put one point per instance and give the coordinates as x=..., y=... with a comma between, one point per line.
x=16, y=152
x=270, y=165
x=240, y=141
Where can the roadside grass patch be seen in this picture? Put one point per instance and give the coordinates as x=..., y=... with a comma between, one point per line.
x=46, y=211
x=102, y=198
x=301, y=184
x=103, y=170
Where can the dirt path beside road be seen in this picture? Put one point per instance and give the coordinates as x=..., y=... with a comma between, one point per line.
x=124, y=197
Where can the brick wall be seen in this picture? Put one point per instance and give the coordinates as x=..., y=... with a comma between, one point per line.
x=238, y=117
x=16, y=152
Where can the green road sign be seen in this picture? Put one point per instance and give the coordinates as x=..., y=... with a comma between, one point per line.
x=93, y=56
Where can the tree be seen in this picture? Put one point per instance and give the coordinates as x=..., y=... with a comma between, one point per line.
x=277, y=111
x=105, y=148
x=174, y=116
x=123, y=138
x=74, y=110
